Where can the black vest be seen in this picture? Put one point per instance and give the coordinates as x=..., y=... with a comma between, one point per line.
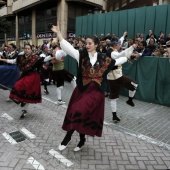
x=84, y=62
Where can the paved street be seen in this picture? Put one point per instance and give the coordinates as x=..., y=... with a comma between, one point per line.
x=140, y=141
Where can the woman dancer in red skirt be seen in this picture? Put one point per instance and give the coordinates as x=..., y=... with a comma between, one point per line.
x=27, y=89
x=85, y=112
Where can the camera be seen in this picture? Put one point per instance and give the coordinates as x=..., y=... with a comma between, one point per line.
x=50, y=25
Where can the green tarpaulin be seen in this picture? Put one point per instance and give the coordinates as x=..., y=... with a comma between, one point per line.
x=151, y=73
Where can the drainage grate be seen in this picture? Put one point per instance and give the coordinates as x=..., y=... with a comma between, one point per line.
x=18, y=136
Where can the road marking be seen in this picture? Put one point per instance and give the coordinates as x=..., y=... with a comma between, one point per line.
x=55, y=102
x=49, y=100
x=35, y=164
x=28, y=133
x=9, y=138
x=5, y=115
x=60, y=157
x=105, y=123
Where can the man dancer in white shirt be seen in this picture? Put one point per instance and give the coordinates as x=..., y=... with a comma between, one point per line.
x=59, y=74
x=116, y=79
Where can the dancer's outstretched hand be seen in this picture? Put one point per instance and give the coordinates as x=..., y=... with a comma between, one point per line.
x=56, y=29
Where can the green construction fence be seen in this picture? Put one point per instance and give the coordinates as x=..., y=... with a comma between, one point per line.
x=151, y=73
x=137, y=20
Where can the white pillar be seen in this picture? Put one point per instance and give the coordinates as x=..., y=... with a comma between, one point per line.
x=16, y=33
x=34, y=38
x=62, y=16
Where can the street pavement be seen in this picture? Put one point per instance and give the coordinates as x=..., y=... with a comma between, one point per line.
x=140, y=141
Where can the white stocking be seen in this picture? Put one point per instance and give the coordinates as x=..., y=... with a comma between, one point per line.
x=73, y=83
x=25, y=107
x=132, y=93
x=113, y=105
x=58, y=91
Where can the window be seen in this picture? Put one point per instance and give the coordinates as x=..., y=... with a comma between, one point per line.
x=25, y=25
x=74, y=11
x=40, y=27
x=50, y=13
x=40, y=15
x=44, y=17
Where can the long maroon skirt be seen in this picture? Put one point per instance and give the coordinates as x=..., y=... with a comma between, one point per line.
x=85, y=112
x=27, y=89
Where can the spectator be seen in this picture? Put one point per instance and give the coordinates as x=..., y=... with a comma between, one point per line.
x=108, y=36
x=143, y=50
x=101, y=38
x=114, y=38
x=152, y=45
x=131, y=42
x=102, y=49
x=142, y=37
x=149, y=34
x=161, y=38
x=125, y=44
x=157, y=52
x=107, y=44
x=168, y=38
x=168, y=50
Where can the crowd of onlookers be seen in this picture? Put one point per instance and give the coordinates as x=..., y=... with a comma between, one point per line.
x=152, y=45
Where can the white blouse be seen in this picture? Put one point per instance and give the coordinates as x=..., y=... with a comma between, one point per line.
x=125, y=53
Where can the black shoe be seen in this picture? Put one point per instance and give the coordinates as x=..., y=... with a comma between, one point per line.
x=116, y=119
x=130, y=102
x=46, y=92
x=23, y=104
x=24, y=113
x=80, y=145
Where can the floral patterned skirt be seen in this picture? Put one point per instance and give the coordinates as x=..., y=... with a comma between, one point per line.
x=27, y=89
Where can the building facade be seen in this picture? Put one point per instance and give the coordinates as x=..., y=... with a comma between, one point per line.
x=29, y=19
x=115, y=5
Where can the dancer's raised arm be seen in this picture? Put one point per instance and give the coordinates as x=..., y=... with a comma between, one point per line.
x=65, y=45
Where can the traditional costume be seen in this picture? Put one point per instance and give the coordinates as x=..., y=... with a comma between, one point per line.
x=116, y=79
x=27, y=89
x=46, y=69
x=85, y=112
x=9, y=72
x=59, y=74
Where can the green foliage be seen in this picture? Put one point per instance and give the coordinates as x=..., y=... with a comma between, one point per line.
x=5, y=25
